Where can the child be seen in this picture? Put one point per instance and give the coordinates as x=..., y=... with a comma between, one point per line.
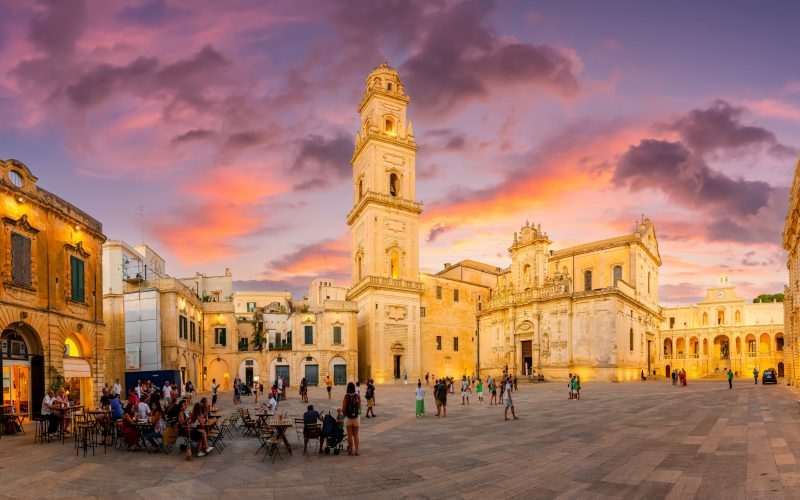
x=420, y=399
x=479, y=390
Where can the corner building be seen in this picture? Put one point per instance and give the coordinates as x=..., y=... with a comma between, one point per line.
x=791, y=240
x=51, y=313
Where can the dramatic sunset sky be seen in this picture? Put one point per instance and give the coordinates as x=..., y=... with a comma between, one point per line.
x=233, y=123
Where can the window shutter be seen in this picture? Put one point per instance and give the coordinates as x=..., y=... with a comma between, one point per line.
x=21, y=260
x=223, y=335
x=76, y=273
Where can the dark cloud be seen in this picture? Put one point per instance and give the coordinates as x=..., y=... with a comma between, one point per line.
x=443, y=140
x=729, y=208
x=192, y=135
x=152, y=13
x=322, y=160
x=436, y=231
x=671, y=167
x=461, y=59
x=719, y=127
x=55, y=28
x=244, y=140
x=102, y=81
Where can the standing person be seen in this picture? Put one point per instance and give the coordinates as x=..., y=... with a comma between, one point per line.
x=420, y=393
x=464, y=390
x=576, y=387
x=674, y=376
x=213, y=392
x=235, y=391
x=405, y=377
x=442, y=395
x=569, y=386
x=515, y=384
x=304, y=390
x=255, y=393
x=730, y=379
x=281, y=388
x=436, y=397
x=351, y=406
x=370, y=398
x=479, y=390
x=167, y=391
x=493, y=388
x=328, y=385
x=755, y=375
x=509, y=402
x=427, y=380
x=117, y=391
x=261, y=388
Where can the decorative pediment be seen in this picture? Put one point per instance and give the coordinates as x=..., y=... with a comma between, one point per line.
x=78, y=249
x=21, y=224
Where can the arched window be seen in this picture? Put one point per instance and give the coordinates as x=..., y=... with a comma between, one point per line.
x=648, y=281
x=71, y=349
x=737, y=317
x=631, y=339
x=358, y=268
x=395, y=266
x=390, y=126
x=360, y=188
x=617, y=274
x=705, y=319
x=587, y=281
x=367, y=125
x=389, y=86
x=394, y=185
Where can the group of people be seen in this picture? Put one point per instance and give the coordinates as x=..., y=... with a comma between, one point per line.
x=443, y=387
x=574, y=386
x=679, y=377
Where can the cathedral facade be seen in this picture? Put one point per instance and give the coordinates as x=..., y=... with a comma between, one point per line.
x=591, y=309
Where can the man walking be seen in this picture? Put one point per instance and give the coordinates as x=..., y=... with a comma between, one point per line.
x=441, y=395
x=755, y=375
x=328, y=385
x=730, y=379
x=213, y=393
x=117, y=389
x=464, y=390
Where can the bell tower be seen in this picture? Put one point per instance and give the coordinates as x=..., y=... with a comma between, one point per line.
x=384, y=231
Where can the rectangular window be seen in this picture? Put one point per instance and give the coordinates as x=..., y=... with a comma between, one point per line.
x=192, y=336
x=251, y=307
x=455, y=344
x=308, y=330
x=455, y=295
x=439, y=293
x=76, y=273
x=337, y=334
x=671, y=323
x=438, y=342
x=219, y=337
x=421, y=312
x=182, y=327
x=21, y=260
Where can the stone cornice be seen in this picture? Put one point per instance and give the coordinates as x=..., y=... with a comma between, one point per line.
x=384, y=200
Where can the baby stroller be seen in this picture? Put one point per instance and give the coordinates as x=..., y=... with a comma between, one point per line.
x=333, y=434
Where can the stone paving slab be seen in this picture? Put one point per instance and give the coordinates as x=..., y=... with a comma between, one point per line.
x=645, y=440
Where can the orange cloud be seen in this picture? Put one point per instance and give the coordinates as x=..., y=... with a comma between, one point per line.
x=328, y=256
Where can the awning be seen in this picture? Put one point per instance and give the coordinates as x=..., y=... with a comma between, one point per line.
x=76, y=367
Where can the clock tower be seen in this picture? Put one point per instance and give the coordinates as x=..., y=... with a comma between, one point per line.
x=384, y=232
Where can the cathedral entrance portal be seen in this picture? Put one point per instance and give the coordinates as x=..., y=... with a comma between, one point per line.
x=527, y=356
x=397, y=374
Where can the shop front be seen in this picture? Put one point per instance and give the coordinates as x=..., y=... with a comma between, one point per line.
x=77, y=374
x=22, y=370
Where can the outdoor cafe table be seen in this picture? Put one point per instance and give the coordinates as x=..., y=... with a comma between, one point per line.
x=63, y=410
x=262, y=417
x=142, y=426
x=281, y=425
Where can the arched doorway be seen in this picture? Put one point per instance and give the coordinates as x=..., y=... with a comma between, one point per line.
x=668, y=371
x=248, y=371
x=219, y=371
x=309, y=368
x=22, y=367
x=780, y=369
x=668, y=347
x=77, y=372
x=280, y=368
x=764, y=344
x=337, y=368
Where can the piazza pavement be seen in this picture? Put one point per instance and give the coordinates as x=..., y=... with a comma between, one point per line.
x=635, y=440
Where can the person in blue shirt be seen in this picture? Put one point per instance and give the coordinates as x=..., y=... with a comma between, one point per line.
x=116, y=408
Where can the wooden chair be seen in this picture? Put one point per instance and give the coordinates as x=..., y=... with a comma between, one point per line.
x=313, y=432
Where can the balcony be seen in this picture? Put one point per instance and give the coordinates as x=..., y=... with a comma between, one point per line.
x=385, y=200
x=280, y=346
x=244, y=345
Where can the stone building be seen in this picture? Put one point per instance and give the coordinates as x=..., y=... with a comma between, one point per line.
x=591, y=308
x=155, y=321
x=50, y=314
x=791, y=240
x=722, y=332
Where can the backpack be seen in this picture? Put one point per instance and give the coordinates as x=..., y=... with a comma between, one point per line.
x=353, y=403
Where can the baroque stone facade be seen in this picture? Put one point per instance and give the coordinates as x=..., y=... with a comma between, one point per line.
x=791, y=240
x=722, y=332
x=50, y=314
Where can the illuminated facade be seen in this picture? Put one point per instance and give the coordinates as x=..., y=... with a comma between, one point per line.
x=791, y=239
x=722, y=332
x=50, y=312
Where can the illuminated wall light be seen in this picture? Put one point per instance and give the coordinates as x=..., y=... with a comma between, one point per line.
x=21, y=199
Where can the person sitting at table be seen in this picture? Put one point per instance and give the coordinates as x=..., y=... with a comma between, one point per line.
x=143, y=408
x=154, y=435
x=48, y=403
x=197, y=430
x=63, y=402
x=129, y=432
x=133, y=397
x=310, y=418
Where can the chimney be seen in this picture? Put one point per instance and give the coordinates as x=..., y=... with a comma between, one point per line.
x=227, y=271
x=446, y=265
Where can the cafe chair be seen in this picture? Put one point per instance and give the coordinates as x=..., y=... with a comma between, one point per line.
x=42, y=435
x=85, y=437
